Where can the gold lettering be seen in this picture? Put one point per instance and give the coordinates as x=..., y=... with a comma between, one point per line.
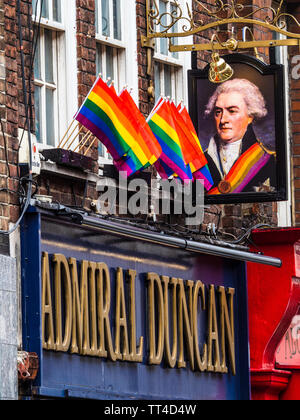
x=201, y=362
x=92, y=306
x=80, y=309
x=104, y=295
x=61, y=262
x=136, y=356
x=47, y=312
x=77, y=324
x=227, y=328
x=81, y=321
x=213, y=336
x=170, y=357
x=185, y=324
x=121, y=319
x=156, y=353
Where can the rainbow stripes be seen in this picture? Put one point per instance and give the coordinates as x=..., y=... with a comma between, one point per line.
x=182, y=153
x=167, y=139
x=108, y=117
x=166, y=130
x=198, y=163
x=245, y=169
x=144, y=136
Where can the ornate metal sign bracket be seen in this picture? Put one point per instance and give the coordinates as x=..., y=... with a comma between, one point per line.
x=177, y=24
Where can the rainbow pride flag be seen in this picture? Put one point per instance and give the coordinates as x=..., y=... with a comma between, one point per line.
x=164, y=126
x=104, y=115
x=145, y=136
x=198, y=164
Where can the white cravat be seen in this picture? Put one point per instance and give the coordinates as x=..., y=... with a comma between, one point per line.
x=229, y=152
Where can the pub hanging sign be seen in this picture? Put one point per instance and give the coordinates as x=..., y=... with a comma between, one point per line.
x=242, y=130
x=121, y=319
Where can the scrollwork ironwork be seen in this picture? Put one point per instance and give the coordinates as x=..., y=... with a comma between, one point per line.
x=220, y=13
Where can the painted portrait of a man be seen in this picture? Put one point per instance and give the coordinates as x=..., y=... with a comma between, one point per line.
x=238, y=160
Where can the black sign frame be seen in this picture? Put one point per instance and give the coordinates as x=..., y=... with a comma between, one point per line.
x=275, y=73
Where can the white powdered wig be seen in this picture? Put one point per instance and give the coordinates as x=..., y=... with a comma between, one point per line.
x=253, y=97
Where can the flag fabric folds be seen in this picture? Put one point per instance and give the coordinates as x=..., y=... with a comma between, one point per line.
x=104, y=115
x=190, y=162
x=167, y=131
x=143, y=132
x=166, y=140
x=199, y=164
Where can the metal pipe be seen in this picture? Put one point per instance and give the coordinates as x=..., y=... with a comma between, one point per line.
x=161, y=239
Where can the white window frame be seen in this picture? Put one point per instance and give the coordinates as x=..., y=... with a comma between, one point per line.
x=179, y=65
x=177, y=88
x=125, y=52
x=44, y=85
x=119, y=46
x=65, y=57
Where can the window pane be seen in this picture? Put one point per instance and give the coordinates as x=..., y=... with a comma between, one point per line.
x=96, y=16
x=163, y=41
x=57, y=10
x=174, y=29
x=48, y=56
x=38, y=112
x=37, y=62
x=99, y=65
x=50, y=117
x=100, y=149
x=105, y=17
x=117, y=19
x=110, y=63
x=157, y=82
x=36, y=8
x=45, y=9
x=168, y=81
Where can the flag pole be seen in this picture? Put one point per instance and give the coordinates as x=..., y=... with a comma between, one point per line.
x=86, y=152
x=82, y=140
x=68, y=138
x=66, y=132
x=83, y=144
x=81, y=128
x=62, y=146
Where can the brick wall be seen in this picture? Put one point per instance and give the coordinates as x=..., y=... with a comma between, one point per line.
x=86, y=52
x=13, y=110
x=77, y=192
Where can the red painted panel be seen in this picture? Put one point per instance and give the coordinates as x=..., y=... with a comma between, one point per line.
x=274, y=300
x=288, y=352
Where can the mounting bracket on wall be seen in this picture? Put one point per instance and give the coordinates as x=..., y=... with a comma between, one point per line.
x=150, y=44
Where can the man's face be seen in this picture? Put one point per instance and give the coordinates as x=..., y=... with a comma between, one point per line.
x=231, y=116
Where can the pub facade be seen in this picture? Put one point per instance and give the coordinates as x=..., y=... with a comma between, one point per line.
x=101, y=302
